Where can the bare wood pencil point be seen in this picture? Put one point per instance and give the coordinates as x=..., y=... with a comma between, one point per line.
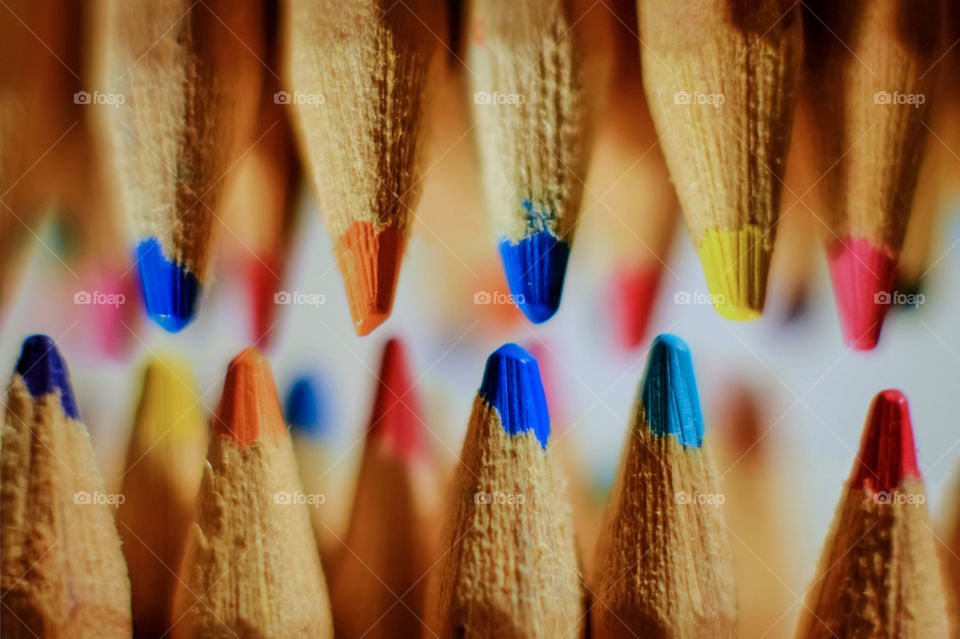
x=62, y=573
x=357, y=71
x=720, y=77
x=252, y=567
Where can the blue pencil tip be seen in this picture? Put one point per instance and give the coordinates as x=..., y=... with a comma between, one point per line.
x=305, y=408
x=44, y=371
x=535, y=268
x=670, y=392
x=511, y=383
x=170, y=291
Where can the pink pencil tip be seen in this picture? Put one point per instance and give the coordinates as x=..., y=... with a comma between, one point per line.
x=396, y=412
x=887, y=453
x=862, y=277
x=634, y=293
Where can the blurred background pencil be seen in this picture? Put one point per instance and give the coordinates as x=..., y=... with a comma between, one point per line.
x=183, y=82
x=377, y=586
x=872, y=70
x=663, y=565
x=509, y=567
x=532, y=113
x=61, y=570
x=720, y=78
x=878, y=574
x=357, y=72
x=251, y=567
x=160, y=481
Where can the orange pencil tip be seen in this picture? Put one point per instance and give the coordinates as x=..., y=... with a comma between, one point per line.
x=396, y=411
x=370, y=263
x=249, y=408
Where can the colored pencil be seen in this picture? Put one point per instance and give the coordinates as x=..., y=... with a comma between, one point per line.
x=160, y=481
x=323, y=470
x=878, y=574
x=357, y=71
x=62, y=573
x=509, y=567
x=629, y=172
x=720, y=78
x=525, y=67
x=949, y=552
x=663, y=565
x=377, y=588
x=251, y=568
x=872, y=72
x=262, y=200
x=189, y=75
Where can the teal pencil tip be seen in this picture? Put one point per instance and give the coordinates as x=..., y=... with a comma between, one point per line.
x=669, y=392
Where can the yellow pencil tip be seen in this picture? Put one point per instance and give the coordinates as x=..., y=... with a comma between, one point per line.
x=736, y=264
x=168, y=402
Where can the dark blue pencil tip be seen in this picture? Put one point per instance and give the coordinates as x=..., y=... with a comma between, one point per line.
x=670, y=392
x=305, y=408
x=44, y=371
x=511, y=383
x=535, y=268
x=170, y=291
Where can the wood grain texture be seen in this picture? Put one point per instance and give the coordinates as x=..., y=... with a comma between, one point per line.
x=190, y=74
x=720, y=78
x=525, y=71
x=61, y=569
x=878, y=574
x=507, y=570
x=860, y=57
x=663, y=567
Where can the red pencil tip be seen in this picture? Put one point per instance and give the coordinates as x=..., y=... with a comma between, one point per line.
x=634, y=293
x=263, y=281
x=249, y=408
x=887, y=453
x=370, y=263
x=396, y=410
x=862, y=280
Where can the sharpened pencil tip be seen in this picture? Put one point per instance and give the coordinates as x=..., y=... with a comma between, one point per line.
x=396, y=411
x=634, y=296
x=862, y=277
x=370, y=263
x=887, y=452
x=43, y=371
x=170, y=291
x=736, y=265
x=670, y=397
x=535, y=267
x=249, y=407
x=511, y=384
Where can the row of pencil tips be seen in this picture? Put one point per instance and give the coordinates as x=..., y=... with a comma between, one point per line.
x=198, y=117
x=230, y=547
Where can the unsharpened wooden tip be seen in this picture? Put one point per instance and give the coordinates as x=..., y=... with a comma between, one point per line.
x=370, y=263
x=736, y=264
x=396, y=412
x=887, y=454
x=862, y=277
x=249, y=408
